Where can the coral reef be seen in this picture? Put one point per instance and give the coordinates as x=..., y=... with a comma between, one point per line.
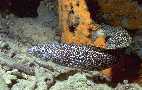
x=80, y=82
x=45, y=75
x=24, y=8
x=76, y=23
x=127, y=86
x=25, y=73
x=3, y=85
x=28, y=30
x=75, y=82
x=125, y=13
x=24, y=84
x=137, y=47
x=41, y=81
x=77, y=28
x=21, y=71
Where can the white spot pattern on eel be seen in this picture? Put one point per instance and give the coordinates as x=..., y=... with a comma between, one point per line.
x=76, y=56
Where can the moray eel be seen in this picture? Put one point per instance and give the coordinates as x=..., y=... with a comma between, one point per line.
x=76, y=56
x=116, y=37
x=86, y=57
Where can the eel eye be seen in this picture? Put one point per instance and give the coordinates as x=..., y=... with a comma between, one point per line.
x=43, y=50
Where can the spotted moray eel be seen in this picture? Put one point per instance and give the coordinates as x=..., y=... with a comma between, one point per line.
x=116, y=37
x=85, y=57
x=75, y=56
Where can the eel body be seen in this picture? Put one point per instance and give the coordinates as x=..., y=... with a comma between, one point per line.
x=116, y=37
x=75, y=56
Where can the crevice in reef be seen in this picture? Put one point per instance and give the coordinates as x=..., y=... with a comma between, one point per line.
x=93, y=7
x=95, y=13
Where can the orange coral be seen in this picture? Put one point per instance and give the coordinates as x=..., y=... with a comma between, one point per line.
x=122, y=12
x=83, y=30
